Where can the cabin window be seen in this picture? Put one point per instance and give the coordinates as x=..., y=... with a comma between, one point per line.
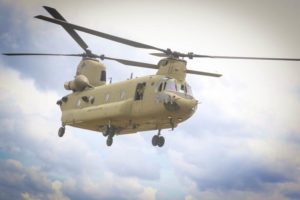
x=122, y=94
x=78, y=103
x=106, y=98
x=139, y=92
x=103, y=76
x=92, y=99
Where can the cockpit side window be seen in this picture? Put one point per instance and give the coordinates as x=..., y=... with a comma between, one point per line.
x=160, y=87
x=181, y=88
x=164, y=87
x=189, y=90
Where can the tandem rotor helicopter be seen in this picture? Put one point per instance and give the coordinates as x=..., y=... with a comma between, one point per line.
x=153, y=102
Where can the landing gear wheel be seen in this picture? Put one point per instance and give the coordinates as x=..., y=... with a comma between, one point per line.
x=155, y=140
x=109, y=141
x=61, y=131
x=106, y=131
x=161, y=141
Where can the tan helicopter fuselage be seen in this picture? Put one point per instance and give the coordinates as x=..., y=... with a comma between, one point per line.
x=140, y=104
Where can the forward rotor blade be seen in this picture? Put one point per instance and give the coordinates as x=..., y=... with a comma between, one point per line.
x=131, y=63
x=40, y=54
x=203, y=73
x=72, y=33
x=99, y=34
x=159, y=54
x=245, y=58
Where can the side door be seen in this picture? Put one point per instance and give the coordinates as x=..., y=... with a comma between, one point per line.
x=138, y=98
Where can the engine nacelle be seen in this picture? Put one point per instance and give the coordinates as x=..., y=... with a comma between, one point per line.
x=93, y=70
x=80, y=83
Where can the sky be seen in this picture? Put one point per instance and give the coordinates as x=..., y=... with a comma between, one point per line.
x=242, y=143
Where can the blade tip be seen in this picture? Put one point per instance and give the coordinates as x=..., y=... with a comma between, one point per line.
x=48, y=8
x=38, y=16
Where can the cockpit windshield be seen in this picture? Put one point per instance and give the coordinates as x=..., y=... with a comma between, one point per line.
x=173, y=86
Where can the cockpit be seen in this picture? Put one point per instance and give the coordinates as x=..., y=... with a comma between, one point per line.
x=182, y=89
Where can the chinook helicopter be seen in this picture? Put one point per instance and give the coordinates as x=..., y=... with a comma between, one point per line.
x=153, y=102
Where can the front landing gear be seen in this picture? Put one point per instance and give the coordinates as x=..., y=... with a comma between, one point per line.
x=61, y=131
x=158, y=140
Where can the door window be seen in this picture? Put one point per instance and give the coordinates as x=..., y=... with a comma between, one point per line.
x=139, y=92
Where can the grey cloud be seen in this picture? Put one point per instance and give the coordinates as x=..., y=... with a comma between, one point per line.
x=293, y=195
x=241, y=175
x=20, y=182
x=133, y=162
x=16, y=180
x=20, y=33
x=292, y=137
x=231, y=165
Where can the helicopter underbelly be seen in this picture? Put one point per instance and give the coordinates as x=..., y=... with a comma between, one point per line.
x=128, y=116
x=128, y=126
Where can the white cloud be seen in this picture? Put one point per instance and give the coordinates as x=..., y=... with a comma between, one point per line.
x=262, y=98
x=248, y=118
x=29, y=126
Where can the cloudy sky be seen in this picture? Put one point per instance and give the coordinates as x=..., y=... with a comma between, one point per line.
x=242, y=143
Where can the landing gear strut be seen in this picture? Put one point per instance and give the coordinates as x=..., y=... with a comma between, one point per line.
x=158, y=140
x=109, y=131
x=61, y=131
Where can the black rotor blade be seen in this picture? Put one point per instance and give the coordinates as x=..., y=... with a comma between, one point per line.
x=245, y=58
x=131, y=63
x=41, y=54
x=203, y=73
x=72, y=33
x=159, y=54
x=152, y=66
x=99, y=34
x=145, y=46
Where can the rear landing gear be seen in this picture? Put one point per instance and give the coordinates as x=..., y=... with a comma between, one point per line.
x=61, y=131
x=158, y=140
x=109, y=141
x=109, y=132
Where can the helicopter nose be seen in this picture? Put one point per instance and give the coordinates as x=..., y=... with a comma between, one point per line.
x=187, y=105
x=175, y=103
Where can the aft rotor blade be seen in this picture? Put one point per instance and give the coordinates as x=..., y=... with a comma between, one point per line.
x=40, y=54
x=245, y=58
x=99, y=34
x=73, y=34
x=131, y=63
x=203, y=73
